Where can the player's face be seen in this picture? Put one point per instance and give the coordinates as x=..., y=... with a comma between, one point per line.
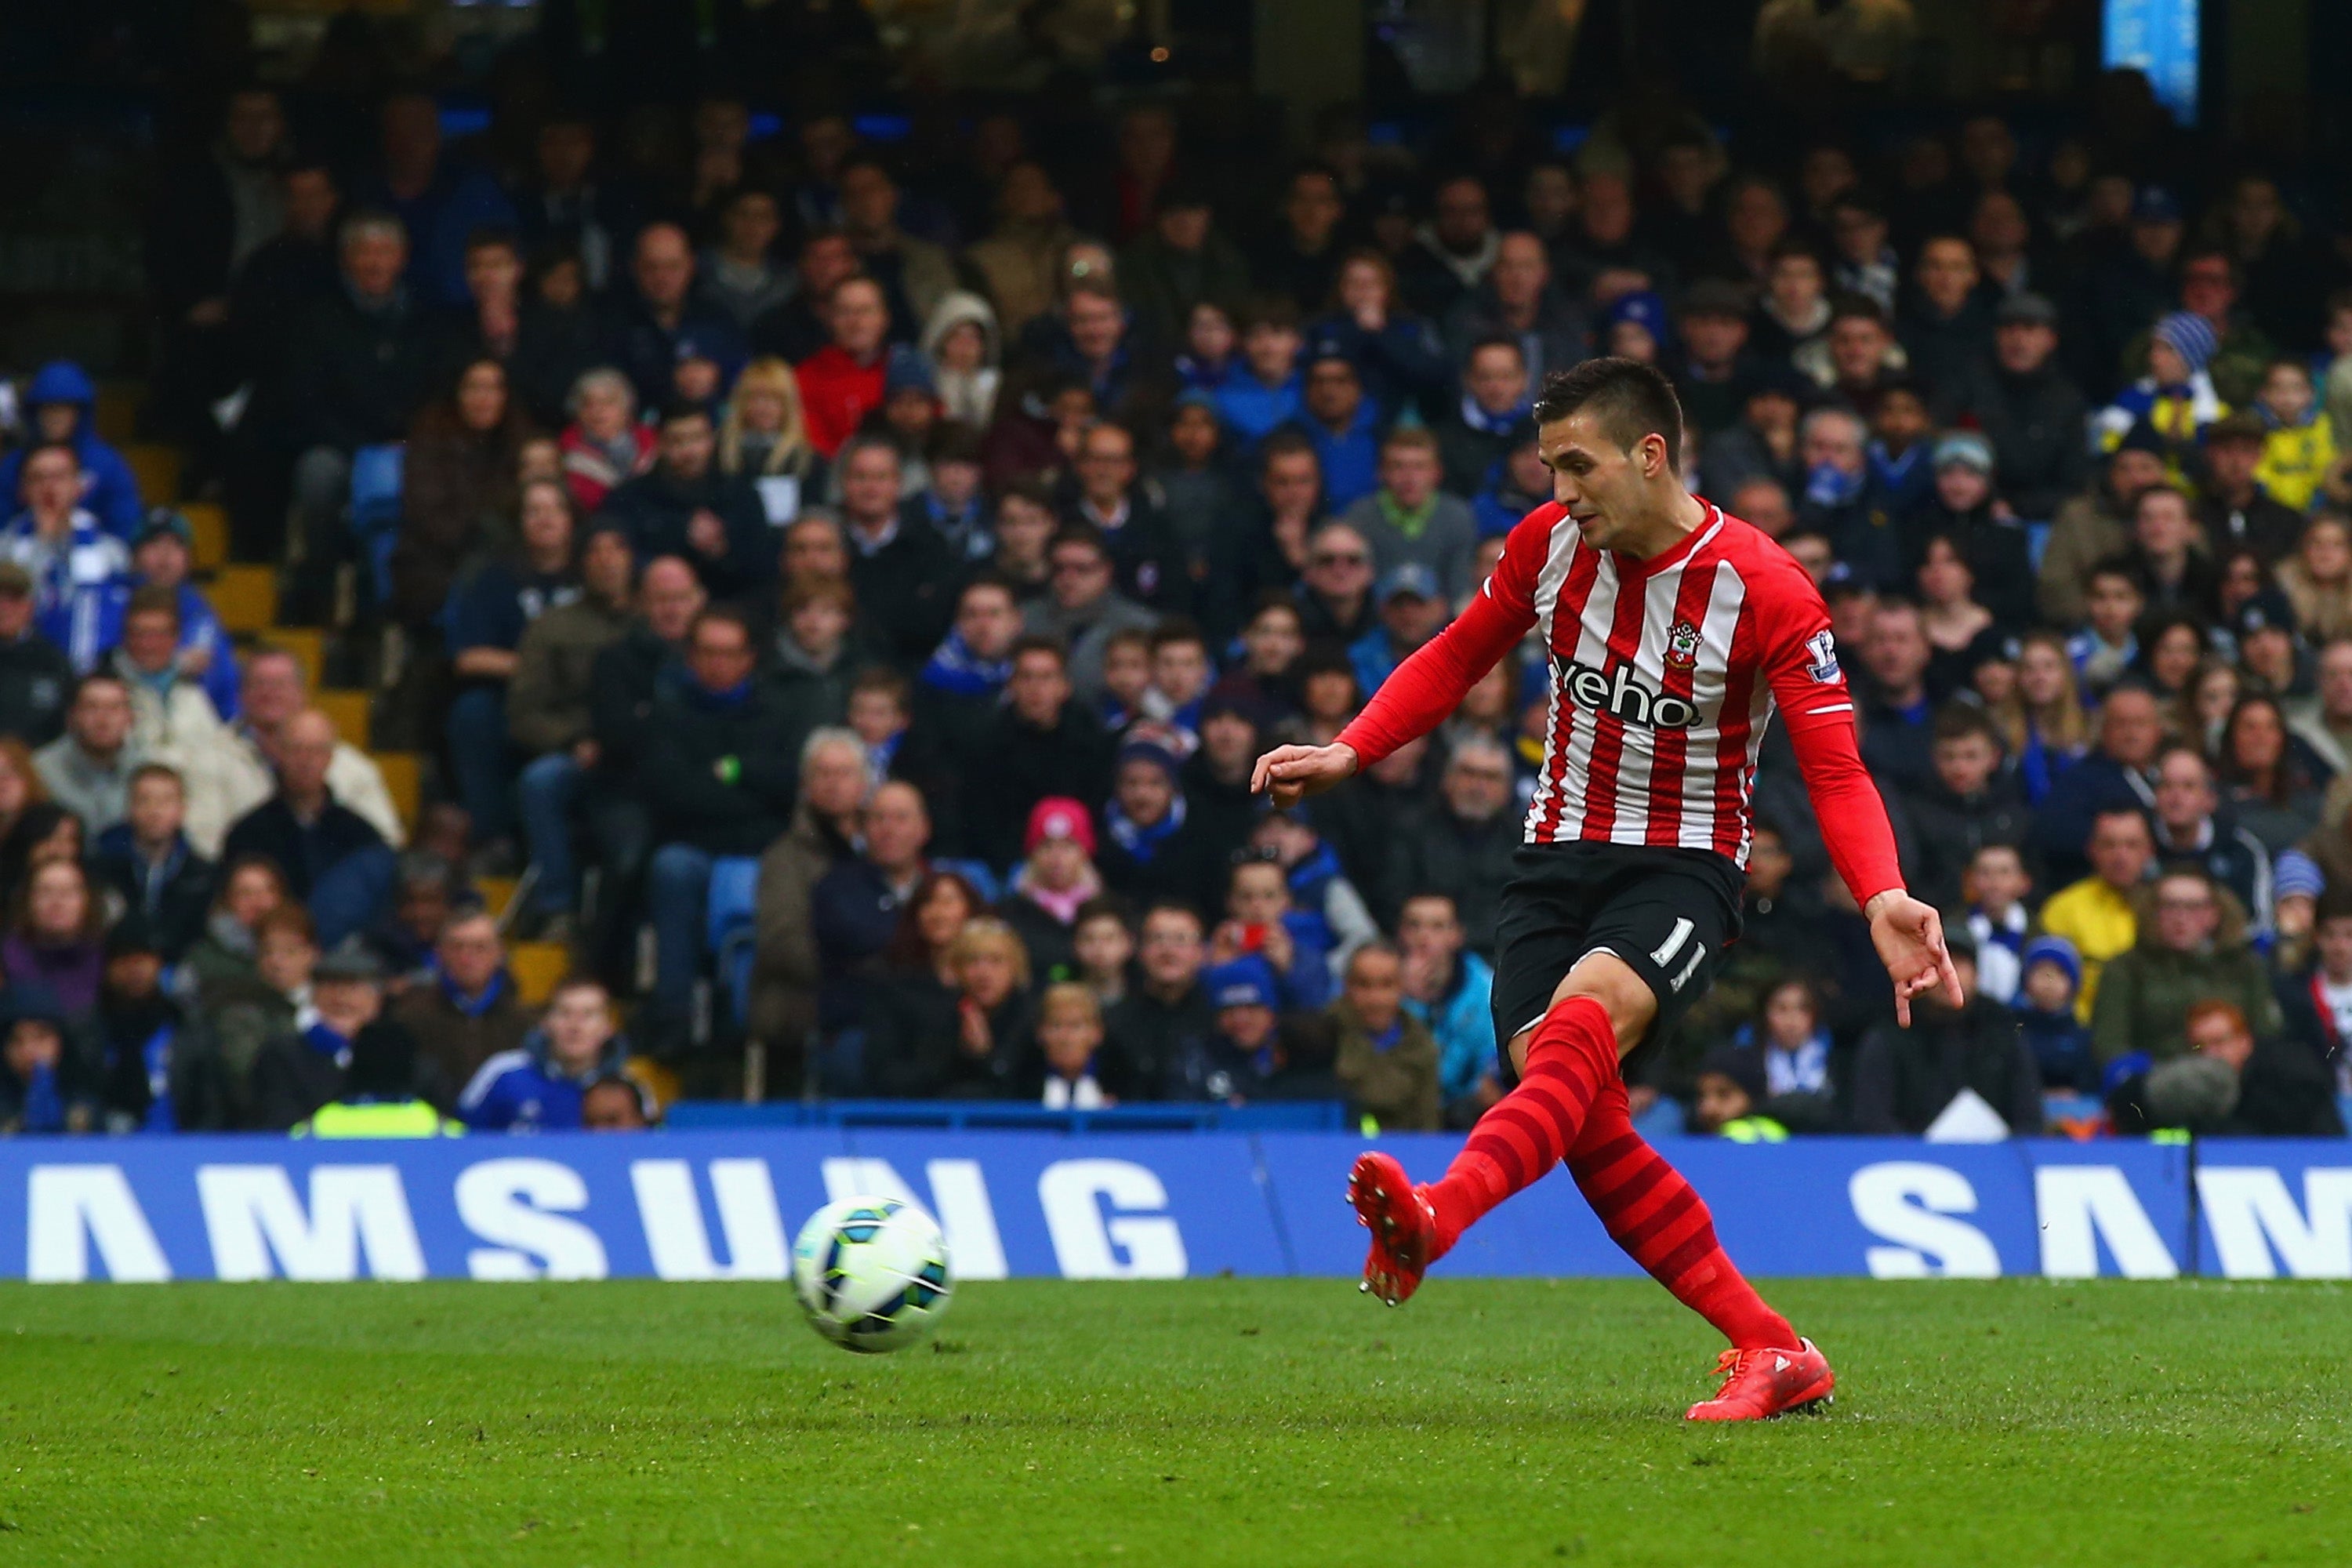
x=1607, y=489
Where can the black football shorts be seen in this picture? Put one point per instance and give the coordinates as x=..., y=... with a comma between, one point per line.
x=1668, y=912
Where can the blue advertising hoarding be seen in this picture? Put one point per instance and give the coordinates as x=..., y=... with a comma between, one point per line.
x=720, y=1206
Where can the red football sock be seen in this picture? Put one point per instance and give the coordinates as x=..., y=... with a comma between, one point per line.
x=1653, y=1215
x=1523, y=1135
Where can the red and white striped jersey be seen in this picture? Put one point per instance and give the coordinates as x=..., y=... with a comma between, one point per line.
x=1664, y=675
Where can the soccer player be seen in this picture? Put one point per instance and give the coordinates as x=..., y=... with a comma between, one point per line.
x=1674, y=632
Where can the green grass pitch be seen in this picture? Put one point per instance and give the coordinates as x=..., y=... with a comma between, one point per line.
x=1206, y=1422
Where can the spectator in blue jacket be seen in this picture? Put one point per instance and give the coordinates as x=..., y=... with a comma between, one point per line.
x=540, y=1086
x=162, y=553
x=1263, y=391
x=1412, y=610
x=75, y=565
x=1262, y=922
x=1450, y=990
x=62, y=403
x=1343, y=425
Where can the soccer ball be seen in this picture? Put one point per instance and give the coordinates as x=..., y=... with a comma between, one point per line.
x=871, y=1273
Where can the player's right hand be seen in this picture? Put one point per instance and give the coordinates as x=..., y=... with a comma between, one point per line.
x=1294, y=772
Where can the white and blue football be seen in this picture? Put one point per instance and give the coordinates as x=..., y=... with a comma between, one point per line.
x=872, y=1273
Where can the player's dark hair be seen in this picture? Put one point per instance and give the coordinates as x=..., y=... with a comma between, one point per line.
x=1628, y=399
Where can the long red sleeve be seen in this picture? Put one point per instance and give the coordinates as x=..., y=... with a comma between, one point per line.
x=1810, y=691
x=1422, y=692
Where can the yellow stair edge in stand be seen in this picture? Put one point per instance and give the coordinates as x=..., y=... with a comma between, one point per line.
x=498, y=893
x=157, y=470
x=246, y=599
x=116, y=417
x=308, y=647
x=536, y=967
x=401, y=780
x=350, y=710
x=209, y=522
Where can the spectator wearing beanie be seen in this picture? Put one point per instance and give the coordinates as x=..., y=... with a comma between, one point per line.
x=60, y=406
x=1055, y=878
x=2175, y=399
x=2051, y=979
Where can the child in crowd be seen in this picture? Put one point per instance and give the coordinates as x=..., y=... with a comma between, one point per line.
x=1322, y=900
x=1902, y=454
x=1104, y=947
x=1126, y=677
x=2060, y=1041
x=2175, y=400
x=1208, y=356
x=1261, y=922
x=2105, y=649
x=2300, y=450
x=1265, y=390
x=1069, y=1034
x=1996, y=886
x=1730, y=1086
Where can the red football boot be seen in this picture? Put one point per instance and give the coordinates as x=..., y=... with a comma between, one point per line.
x=1760, y=1384
x=1404, y=1227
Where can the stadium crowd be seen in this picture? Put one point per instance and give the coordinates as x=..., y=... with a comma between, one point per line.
x=857, y=592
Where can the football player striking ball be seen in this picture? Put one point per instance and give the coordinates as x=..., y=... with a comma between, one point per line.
x=1674, y=631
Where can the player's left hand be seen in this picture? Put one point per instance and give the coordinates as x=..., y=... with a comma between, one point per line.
x=1909, y=936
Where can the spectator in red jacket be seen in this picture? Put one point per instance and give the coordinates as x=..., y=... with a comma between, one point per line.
x=846, y=379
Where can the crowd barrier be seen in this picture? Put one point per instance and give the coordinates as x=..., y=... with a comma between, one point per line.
x=1110, y=1204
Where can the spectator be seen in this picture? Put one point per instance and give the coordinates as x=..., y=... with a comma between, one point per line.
x=2235, y=509
x=1449, y=990
x=953, y=504
x=1966, y=805
x=1730, y=1089
x=36, y=675
x=2175, y=400
x=1962, y=509
x=671, y=345
x=304, y=1067
x=1084, y=610
x=540, y=1085
x=1947, y=327
x=787, y=964
x=1996, y=886
x=162, y=1074
x=1409, y=519
x=468, y=1012
x=74, y=566
x=2269, y=775
x=1262, y=389
x=1299, y=259
x=162, y=553
x=224, y=956
x=738, y=276
x=1764, y=444
x=2119, y=776
x=2317, y=1005
x=844, y=382
x=857, y=905
x=333, y=859
x=617, y=1104
x=359, y=363
x=962, y=342
x=1069, y=1041
x=88, y=769
x=606, y=446
x=147, y=862
x=487, y=613
x=1150, y=850
x=902, y=574
x=2100, y=914
x=1182, y=262
x=1021, y=260
x=2190, y=830
x=55, y=942
x=1515, y=302
x=964, y=1037
x=49, y=1076
x=1452, y=254
x=274, y=691
x=2230, y=1084
x=1248, y=1053
x=1055, y=879
x=915, y=274
x=1790, y=1042
x=687, y=507
x=717, y=784
x=1103, y=949
x=2318, y=581
x=2048, y=1018
x=1411, y=612
x=2108, y=646
x=2194, y=950
x=764, y=439
x=1462, y=843
x=1857, y=356
x=1385, y=1057
x=1896, y=715
x=458, y=487
x=1497, y=394
x=60, y=410
x=1905, y=1078
x=1130, y=518
x=550, y=705
x=1044, y=743
x=2299, y=441
x=1263, y=921
x=1520, y=483
x=1840, y=499
x=1166, y=1021
x=1399, y=354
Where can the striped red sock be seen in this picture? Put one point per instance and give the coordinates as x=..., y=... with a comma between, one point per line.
x=1653, y=1215
x=1527, y=1131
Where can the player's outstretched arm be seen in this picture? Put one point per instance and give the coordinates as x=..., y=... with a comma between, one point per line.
x=1909, y=936
x=1294, y=772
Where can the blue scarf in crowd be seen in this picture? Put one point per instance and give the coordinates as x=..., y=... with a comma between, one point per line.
x=45, y=1106
x=955, y=670
x=327, y=1043
x=1140, y=841
x=1486, y=424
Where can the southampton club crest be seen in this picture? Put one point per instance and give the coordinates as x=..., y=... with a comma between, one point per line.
x=1681, y=645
